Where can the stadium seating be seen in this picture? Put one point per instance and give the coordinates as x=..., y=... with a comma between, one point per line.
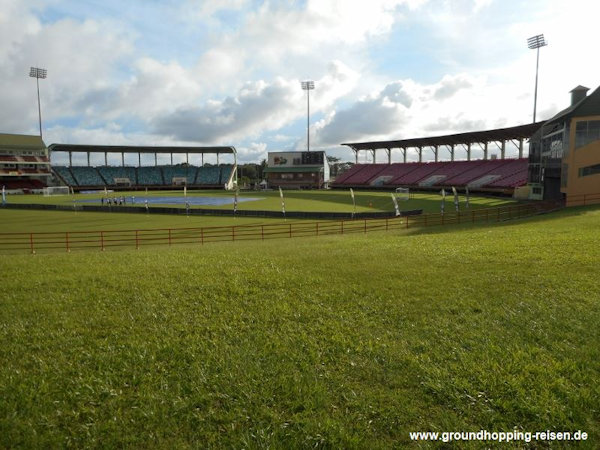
x=413, y=177
x=170, y=172
x=474, y=173
x=23, y=184
x=364, y=176
x=213, y=176
x=226, y=173
x=209, y=175
x=87, y=176
x=149, y=176
x=110, y=173
x=511, y=174
x=448, y=170
x=511, y=181
x=28, y=158
x=64, y=173
x=494, y=174
x=399, y=170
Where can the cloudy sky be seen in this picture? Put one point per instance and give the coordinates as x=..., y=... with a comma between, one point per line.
x=228, y=72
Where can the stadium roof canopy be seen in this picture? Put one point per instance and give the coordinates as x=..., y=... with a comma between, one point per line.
x=74, y=148
x=155, y=150
x=473, y=137
x=21, y=142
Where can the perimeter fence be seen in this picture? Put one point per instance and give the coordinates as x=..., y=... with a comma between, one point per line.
x=108, y=239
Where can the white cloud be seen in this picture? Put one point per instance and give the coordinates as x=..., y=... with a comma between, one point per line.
x=239, y=80
x=258, y=107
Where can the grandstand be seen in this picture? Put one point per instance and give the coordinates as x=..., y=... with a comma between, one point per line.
x=483, y=175
x=498, y=175
x=24, y=163
x=155, y=177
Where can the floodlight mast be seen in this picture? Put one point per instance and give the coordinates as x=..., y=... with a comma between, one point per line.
x=307, y=86
x=535, y=42
x=37, y=73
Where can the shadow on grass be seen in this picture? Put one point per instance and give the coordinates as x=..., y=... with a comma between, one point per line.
x=538, y=218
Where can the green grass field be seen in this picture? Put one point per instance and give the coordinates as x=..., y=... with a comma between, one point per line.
x=329, y=342
x=322, y=201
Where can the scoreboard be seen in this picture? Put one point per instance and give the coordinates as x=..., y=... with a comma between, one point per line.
x=295, y=159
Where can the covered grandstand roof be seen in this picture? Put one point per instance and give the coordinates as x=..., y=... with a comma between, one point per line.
x=21, y=142
x=137, y=149
x=588, y=105
x=499, y=134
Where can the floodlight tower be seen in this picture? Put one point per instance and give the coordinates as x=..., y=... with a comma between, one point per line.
x=37, y=73
x=536, y=42
x=307, y=86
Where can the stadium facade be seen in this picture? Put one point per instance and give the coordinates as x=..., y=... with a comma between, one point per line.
x=24, y=163
x=297, y=170
x=564, y=154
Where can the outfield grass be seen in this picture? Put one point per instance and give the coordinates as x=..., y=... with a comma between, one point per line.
x=327, y=201
x=338, y=341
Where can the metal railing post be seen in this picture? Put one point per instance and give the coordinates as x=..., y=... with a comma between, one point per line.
x=67, y=241
x=137, y=244
x=31, y=243
x=102, y=240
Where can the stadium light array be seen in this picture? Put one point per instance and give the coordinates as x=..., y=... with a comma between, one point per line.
x=307, y=86
x=535, y=43
x=37, y=73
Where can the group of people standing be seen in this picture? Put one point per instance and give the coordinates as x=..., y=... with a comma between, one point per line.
x=115, y=201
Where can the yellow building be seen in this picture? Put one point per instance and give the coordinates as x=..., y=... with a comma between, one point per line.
x=564, y=155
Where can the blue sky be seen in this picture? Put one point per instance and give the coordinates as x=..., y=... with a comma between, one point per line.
x=228, y=72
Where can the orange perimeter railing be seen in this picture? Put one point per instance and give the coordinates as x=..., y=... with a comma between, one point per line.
x=107, y=239
x=583, y=199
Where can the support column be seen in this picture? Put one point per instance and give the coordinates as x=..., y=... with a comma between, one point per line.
x=503, y=149
x=70, y=159
x=469, y=151
x=420, y=150
x=123, y=159
x=389, y=152
x=452, y=152
x=106, y=158
x=485, y=151
x=88, y=158
x=139, y=159
x=186, y=155
x=521, y=148
x=171, y=158
x=436, y=152
x=374, y=153
x=404, y=155
x=155, y=160
x=356, y=156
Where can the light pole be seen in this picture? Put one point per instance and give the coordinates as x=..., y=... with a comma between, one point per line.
x=536, y=42
x=37, y=73
x=307, y=86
